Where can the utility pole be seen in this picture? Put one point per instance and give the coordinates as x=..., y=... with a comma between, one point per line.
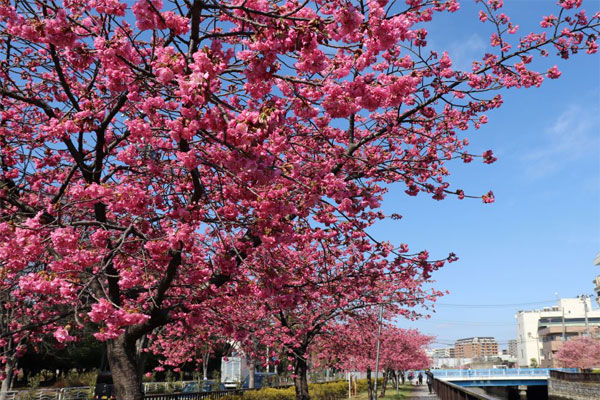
x=378, y=347
x=562, y=308
x=564, y=335
x=584, y=297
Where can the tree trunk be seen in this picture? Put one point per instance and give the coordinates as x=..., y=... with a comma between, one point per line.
x=369, y=384
x=301, y=378
x=251, y=370
x=205, y=358
x=386, y=375
x=141, y=355
x=8, y=371
x=121, y=359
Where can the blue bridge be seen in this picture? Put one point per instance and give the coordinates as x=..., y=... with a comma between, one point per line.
x=497, y=377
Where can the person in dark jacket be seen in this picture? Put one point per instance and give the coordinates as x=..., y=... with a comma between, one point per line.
x=429, y=381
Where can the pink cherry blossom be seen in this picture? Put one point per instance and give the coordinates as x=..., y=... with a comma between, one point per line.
x=553, y=73
x=62, y=335
x=581, y=352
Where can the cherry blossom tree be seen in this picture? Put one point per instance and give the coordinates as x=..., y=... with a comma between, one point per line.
x=159, y=160
x=581, y=352
x=345, y=290
x=352, y=346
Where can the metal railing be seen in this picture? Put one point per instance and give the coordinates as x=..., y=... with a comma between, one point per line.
x=217, y=394
x=196, y=396
x=68, y=393
x=165, y=387
x=496, y=372
x=449, y=391
x=12, y=395
x=574, y=376
x=166, y=391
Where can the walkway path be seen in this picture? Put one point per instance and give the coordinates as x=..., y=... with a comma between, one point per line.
x=422, y=393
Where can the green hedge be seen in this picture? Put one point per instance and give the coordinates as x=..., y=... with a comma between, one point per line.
x=361, y=384
x=318, y=391
x=329, y=391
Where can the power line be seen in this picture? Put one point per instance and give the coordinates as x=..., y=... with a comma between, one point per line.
x=472, y=323
x=495, y=305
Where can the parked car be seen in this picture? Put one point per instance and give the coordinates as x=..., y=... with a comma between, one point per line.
x=262, y=379
x=104, y=389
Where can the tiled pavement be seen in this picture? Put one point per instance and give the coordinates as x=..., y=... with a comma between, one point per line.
x=422, y=393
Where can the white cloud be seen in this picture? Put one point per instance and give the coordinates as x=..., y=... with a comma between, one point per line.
x=574, y=135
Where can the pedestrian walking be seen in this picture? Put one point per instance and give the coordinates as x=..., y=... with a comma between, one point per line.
x=411, y=376
x=420, y=378
x=429, y=381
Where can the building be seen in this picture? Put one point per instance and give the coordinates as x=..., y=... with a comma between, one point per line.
x=444, y=358
x=512, y=348
x=554, y=331
x=476, y=347
x=441, y=353
x=528, y=347
x=450, y=363
x=446, y=352
x=536, y=326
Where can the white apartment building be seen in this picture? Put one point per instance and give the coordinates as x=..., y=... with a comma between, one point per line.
x=529, y=346
x=441, y=353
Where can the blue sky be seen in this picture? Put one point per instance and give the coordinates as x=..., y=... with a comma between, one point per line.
x=541, y=235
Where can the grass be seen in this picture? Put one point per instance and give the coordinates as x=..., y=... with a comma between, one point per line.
x=391, y=393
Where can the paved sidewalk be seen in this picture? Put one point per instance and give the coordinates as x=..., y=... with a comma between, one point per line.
x=421, y=392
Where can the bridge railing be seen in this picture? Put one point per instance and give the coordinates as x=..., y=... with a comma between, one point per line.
x=449, y=391
x=496, y=372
